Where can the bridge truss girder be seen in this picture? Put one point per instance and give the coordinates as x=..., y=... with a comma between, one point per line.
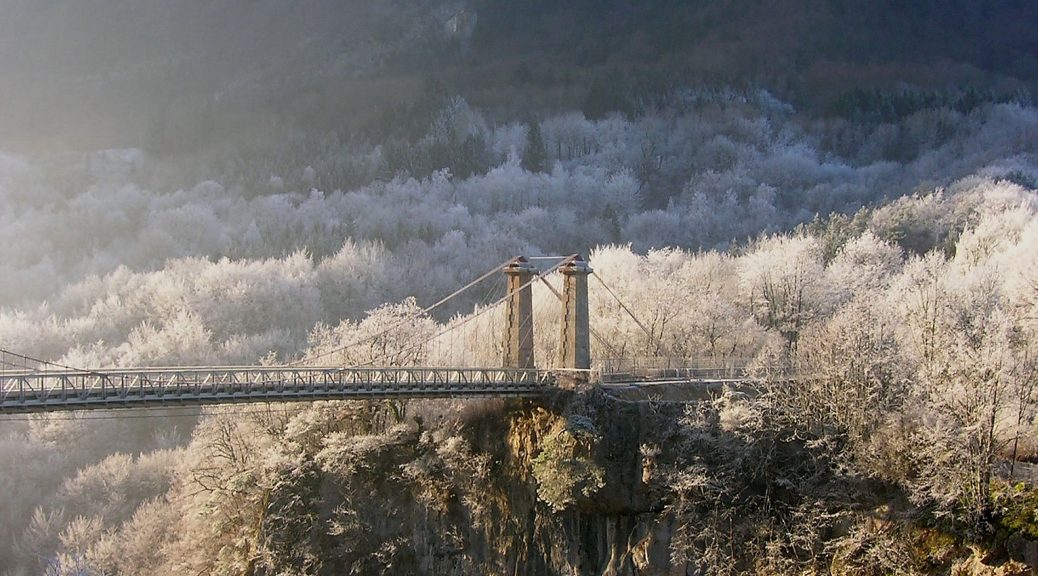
x=29, y=391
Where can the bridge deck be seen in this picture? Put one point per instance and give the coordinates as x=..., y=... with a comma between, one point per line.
x=32, y=391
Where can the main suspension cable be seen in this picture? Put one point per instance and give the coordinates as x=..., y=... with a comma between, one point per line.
x=628, y=310
x=601, y=339
x=475, y=315
x=404, y=321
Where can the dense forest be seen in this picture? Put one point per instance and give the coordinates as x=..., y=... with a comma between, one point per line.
x=190, y=76
x=841, y=195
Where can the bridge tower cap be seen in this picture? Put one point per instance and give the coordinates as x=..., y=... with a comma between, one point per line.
x=519, y=264
x=576, y=265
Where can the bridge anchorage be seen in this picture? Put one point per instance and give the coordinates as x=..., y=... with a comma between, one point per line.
x=28, y=385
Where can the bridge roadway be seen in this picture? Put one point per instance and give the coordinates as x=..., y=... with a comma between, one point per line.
x=44, y=391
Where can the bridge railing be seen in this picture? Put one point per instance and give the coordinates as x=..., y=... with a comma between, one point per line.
x=633, y=368
x=28, y=390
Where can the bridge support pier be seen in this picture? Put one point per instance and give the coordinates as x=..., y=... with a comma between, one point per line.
x=518, y=343
x=575, y=339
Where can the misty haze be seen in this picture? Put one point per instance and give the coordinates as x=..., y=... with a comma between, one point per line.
x=501, y=287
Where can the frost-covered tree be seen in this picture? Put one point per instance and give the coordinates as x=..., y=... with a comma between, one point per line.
x=784, y=284
x=390, y=335
x=853, y=379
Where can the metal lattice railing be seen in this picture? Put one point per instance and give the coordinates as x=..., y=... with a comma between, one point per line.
x=39, y=391
x=637, y=368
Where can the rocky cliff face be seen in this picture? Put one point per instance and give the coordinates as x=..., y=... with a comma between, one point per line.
x=591, y=483
x=580, y=483
x=562, y=487
x=582, y=474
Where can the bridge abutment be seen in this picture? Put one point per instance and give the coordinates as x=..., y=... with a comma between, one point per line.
x=518, y=344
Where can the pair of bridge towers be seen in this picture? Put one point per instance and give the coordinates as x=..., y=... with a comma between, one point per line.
x=575, y=330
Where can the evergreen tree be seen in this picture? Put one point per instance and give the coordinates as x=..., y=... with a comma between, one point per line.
x=535, y=159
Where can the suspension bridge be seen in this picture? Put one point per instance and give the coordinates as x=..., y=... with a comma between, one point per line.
x=30, y=385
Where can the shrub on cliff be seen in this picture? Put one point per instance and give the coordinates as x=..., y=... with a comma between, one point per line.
x=565, y=470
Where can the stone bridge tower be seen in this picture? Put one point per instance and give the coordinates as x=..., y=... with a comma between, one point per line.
x=518, y=343
x=575, y=330
x=575, y=336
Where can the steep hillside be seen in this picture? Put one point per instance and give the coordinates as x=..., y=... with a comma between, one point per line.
x=114, y=73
